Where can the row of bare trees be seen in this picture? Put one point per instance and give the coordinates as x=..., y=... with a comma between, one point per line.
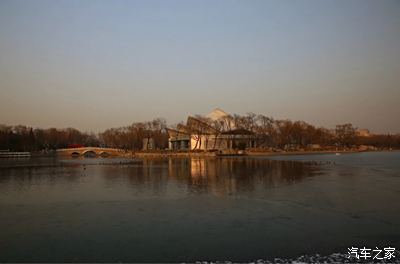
x=23, y=138
x=268, y=133
x=280, y=133
x=131, y=137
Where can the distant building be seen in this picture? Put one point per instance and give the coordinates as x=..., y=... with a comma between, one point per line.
x=217, y=114
x=363, y=133
x=178, y=139
x=199, y=134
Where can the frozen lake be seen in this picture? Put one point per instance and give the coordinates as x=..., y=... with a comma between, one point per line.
x=175, y=210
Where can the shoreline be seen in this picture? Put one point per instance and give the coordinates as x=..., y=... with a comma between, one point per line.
x=295, y=153
x=281, y=153
x=165, y=154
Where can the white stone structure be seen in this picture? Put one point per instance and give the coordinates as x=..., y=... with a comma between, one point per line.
x=215, y=131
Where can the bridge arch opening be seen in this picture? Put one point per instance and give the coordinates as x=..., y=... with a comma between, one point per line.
x=89, y=154
x=75, y=154
x=104, y=154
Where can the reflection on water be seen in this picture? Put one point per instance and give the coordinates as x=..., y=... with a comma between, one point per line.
x=235, y=175
x=52, y=180
x=213, y=176
x=240, y=209
x=153, y=177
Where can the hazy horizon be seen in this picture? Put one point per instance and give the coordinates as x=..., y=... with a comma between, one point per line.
x=94, y=65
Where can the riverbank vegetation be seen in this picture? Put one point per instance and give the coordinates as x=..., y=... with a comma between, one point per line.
x=271, y=134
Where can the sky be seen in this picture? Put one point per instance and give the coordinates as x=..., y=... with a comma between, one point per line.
x=93, y=65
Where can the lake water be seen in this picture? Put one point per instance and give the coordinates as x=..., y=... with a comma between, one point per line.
x=181, y=209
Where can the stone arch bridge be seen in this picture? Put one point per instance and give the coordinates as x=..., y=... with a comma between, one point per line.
x=91, y=152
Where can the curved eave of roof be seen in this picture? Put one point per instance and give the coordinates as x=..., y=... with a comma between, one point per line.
x=174, y=131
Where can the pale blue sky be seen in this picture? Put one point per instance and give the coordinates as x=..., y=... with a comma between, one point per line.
x=99, y=64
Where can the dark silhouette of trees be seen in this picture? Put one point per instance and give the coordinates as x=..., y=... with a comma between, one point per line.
x=131, y=137
x=22, y=138
x=379, y=141
x=269, y=133
x=345, y=135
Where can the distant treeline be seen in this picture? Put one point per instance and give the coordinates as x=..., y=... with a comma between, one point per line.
x=23, y=138
x=270, y=133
